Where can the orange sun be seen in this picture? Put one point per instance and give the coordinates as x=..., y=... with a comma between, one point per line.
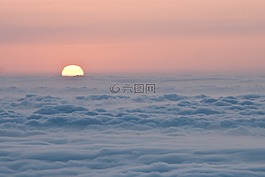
x=72, y=71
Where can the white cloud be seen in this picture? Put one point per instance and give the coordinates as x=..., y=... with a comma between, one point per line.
x=79, y=132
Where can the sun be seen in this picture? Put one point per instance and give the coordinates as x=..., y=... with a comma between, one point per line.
x=72, y=71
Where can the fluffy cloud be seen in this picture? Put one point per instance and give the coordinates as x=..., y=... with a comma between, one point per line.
x=75, y=133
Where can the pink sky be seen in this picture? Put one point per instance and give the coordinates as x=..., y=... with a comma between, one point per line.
x=112, y=36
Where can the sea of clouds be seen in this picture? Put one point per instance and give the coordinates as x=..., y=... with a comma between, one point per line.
x=192, y=126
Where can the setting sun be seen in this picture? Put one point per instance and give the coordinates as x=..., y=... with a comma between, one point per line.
x=72, y=70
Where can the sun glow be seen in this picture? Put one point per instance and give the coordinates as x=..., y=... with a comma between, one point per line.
x=72, y=71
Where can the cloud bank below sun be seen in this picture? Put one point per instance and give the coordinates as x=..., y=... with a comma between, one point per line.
x=52, y=127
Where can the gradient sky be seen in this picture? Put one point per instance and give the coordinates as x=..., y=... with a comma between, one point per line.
x=112, y=36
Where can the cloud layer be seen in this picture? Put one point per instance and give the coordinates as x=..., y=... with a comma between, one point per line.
x=59, y=130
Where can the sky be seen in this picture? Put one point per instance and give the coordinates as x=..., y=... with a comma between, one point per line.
x=132, y=36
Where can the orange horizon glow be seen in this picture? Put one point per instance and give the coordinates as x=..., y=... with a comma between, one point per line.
x=117, y=36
